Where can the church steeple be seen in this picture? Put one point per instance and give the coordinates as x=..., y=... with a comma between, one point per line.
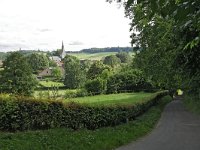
x=63, y=51
x=63, y=48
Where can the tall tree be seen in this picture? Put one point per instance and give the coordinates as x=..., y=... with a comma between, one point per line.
x=124, y=57
x=96, y=70
x=74, y=76
x=112, y=60
x=17, y=75
x=38, y=61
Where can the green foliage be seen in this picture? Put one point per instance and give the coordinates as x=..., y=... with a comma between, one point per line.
x=96, y=70
x=169, y=36
x=56, y=72
x=124, y=57
x=3, y=55
x=52, y=63
x=75, y=93
x=102, y=139
x=74, y=75
x=131, y=80
x=192, y=103
x=22, y=113
x=17, y=77
x=38, y=61
x=112, y=60
x=96, y=86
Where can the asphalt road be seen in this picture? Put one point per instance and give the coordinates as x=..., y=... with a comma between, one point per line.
x=177, y=129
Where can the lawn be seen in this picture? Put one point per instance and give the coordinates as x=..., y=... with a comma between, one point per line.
x=113, y=99
x=102, y=139
x=98, y=100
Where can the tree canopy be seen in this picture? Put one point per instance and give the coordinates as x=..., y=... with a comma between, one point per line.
x=17, y=77
x=112, y=60
x=38, y=61
x=74, y=76
x=169, y=35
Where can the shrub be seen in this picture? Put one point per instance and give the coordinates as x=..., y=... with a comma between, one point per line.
x=70, y=94
x=96, y=86
x=22, y=113
x=131, y=80
x=75, y=93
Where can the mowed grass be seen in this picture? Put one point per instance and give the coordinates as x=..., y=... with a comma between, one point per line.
x=102, y=139
x=113, y=99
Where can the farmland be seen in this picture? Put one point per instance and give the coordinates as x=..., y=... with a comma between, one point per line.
x=95, y=56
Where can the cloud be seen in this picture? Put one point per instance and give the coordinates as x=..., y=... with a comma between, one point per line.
x=13, y=46
x=44, y=30
x=76, y=43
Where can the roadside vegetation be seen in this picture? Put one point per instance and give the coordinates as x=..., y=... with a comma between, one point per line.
x=192, y=103
x=103, y=138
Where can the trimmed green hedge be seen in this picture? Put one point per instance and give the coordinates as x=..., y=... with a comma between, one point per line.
x=20, y=113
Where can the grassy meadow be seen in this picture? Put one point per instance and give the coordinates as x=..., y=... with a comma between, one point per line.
x=95, y=56
x=101, y=139
x=97, y=100
x=113, y=99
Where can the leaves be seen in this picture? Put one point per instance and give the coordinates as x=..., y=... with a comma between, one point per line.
x=22, y=113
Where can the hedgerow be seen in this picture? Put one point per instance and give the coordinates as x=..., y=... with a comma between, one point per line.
x=22, y=113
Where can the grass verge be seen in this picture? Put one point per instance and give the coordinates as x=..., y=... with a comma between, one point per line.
x=101, y=139
x=192, y=104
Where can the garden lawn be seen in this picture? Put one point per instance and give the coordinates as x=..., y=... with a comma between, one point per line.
x=101, y=139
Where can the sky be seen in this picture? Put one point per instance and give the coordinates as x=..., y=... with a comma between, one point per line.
x=44, y=24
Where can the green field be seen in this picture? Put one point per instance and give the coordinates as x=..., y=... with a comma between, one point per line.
x=95, y=56
x=101, y=139
x=98, y=100
x=113, y=99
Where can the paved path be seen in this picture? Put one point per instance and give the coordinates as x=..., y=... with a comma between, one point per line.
x=176, y=130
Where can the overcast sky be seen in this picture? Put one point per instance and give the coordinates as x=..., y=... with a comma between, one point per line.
x=44, y=24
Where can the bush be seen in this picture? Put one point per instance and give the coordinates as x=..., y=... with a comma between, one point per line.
x=75, y=93
x=132, y=80
x=22, y=113
x=96, y=86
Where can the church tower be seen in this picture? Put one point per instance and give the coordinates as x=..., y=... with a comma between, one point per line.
x=63, y=53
